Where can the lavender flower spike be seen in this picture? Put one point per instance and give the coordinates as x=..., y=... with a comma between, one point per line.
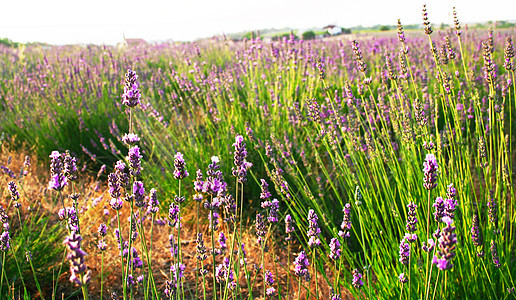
x=357, y=279
x=334, y=249
x=180, y=171
x=346, y=222
x=313, y=230
x=446, y=246
x=301, y=264
x=131, y=96
x=79, y=275
x=430, y=169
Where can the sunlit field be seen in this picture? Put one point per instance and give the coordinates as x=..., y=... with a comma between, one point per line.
x=360, y=166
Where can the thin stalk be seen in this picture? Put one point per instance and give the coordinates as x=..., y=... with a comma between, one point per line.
x=101, y=274
x=124, y=288
x=36, y=279
x=213, y=255
x=85, y=292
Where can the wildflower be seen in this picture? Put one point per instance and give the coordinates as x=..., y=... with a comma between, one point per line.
x=429, y=246
x=131, y=96
x=269, y=281
x=446, y=246
x=494, y=254
x=404, y=252
x=15, y=195
x=4, y=241
x=320, y=68
x=153, y=205
x=135, y=161
x=198, y=183
x=476, y=235
x=412, y=217
x=180, y=171
x=492, y=210
x=334, y=249
x=313, y=230
x=426, y=23
x=102, y=245
x=261, y=227
x=265, y=194
x=201, y=249
x=139, y=193
x=402, y=278
x=334, y=295
x=301, y=264
x=222, y=241
x=173, y=214
x=241, y=165
x=439, y=209
x=346, y=222
x=79, y=275
x=357, y=279
x=70, y=166
x=430, y=169
x=130, y=139
x=289, y=227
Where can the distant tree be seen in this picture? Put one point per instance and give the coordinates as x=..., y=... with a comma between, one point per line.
x=308, y=35
x=346, y=30
x=385, y=28
x=7, y=42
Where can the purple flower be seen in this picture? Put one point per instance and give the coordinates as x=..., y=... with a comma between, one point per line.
x=313, y=230
x=114, y=187
x=79, y=275
x=173, y=214
x=58, y=182
x=15, y=195
x=116, y=203
x=102, y=229
x=430, y=169
x=346, y=222
x=241, y=165
x=439, y=209
x=135, y=161
x=4, y=241
x=289, y=227
x=139, y=193
x=130, y=139
x=198, y=183
x=404, y=252
x=201, y=249
x=411, y=217
x=402, y=278
x=180, y=171
x=261, y=227
x=131, y=96
x=334, y=249
x=357, y=279
x=153, y=205
x=222, y=241
x=301, y=264
x=492, y=210
x=428, y=247
x=446, y=246
x=476, y=235
x=494, y=254
x=70, y=166
x=265, y=194
x=102, y=245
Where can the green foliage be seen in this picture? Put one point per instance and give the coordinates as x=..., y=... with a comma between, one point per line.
x=308, y=35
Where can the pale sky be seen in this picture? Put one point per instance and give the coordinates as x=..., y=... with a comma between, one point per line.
x=107, y=21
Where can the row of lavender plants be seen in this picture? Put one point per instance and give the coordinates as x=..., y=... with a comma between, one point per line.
x=392, y=156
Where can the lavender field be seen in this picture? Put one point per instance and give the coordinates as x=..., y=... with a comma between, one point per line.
x=362, y=166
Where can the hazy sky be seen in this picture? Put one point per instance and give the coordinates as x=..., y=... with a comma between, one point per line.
x=107, y=21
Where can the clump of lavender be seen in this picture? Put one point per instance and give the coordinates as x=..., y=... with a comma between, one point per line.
x=301, y=264
x=346, y=222
x=494, y=254
x=131, y=96
x=430, y=169
x=446, y=246
x=58, y=180
x=180, y=171
x=334, y=249
x=313, y=230
x=76, y=255
x=357, y=279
